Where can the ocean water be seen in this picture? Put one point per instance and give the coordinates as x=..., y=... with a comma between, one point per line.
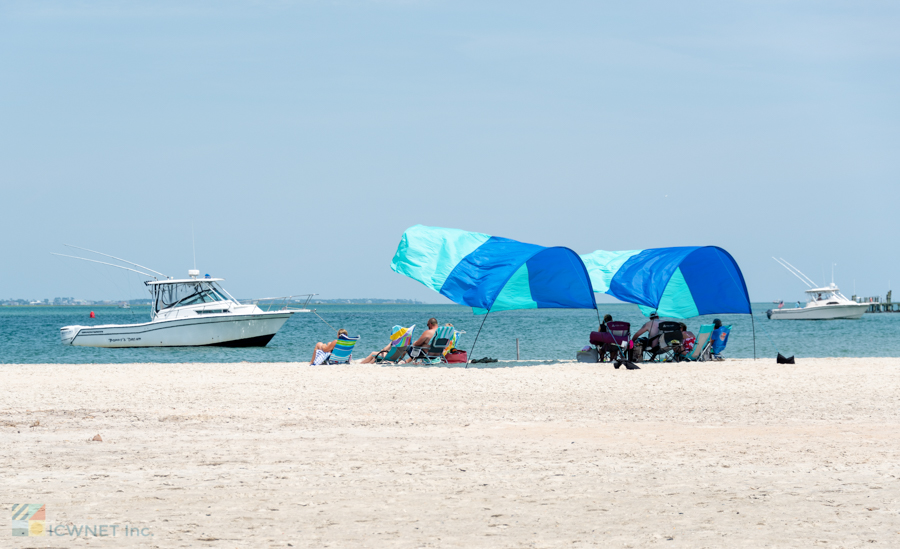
x=31, y=334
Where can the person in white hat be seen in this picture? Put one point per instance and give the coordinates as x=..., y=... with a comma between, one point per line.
x=651, y=328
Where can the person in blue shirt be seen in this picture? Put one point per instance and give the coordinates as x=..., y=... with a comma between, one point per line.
x=719, y=338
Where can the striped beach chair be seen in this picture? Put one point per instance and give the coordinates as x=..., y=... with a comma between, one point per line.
x=343, y=349
x=434, y=354
x=401, y=339
x=454, y=341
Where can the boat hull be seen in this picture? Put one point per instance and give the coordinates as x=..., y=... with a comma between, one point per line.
x=851, y=311
x=228, y=330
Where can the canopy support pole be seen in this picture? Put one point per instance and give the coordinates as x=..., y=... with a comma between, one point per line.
x=469, y=355
x=753, y=323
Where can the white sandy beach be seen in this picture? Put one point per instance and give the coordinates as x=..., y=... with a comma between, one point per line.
x=732, y=454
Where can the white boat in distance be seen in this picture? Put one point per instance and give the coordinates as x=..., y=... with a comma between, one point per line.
x=824, y=303
x=191, y=312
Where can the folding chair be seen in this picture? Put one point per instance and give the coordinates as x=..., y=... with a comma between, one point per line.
x=613, y=341
x=434, y=354
x=701, y=350
x=343, y=349
x=671, y=340
x=663, y=349
x=719, y=341
x=401, y=339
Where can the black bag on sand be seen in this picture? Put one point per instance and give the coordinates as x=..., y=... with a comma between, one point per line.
x=628, y=365
x=780, y=359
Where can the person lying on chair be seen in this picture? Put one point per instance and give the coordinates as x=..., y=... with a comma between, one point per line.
x=651, y=328
x=382, y=353
x=395, y=351
x=420, y=346
x=325, y=347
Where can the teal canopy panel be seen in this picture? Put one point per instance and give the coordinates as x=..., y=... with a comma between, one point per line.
x=674, y=282
x=491, y=273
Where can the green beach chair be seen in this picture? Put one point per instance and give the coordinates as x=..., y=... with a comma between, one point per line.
x=434, y=354
x=401, y=339
x=343, y=350
x=701, y=351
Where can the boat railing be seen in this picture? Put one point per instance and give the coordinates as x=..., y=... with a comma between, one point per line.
x=281, y=303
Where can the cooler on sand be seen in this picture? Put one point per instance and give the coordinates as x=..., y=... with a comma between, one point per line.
x=457, y=356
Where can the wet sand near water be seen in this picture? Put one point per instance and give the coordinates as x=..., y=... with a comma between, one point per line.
x=738, y=453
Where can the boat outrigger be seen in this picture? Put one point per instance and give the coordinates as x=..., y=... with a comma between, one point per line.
x=190, y=312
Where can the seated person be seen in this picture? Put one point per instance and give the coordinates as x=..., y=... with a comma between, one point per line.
x=607, y=348
x=651, y=328
x=687, y=343
x=420, y=346
x=386, y=351
x=719, y=338
x=325, y=347
x=606, y=318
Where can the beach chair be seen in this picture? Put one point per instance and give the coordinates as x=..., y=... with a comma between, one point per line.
x=719, y=341
x=668, y=332
x=343, y=349
x=454, y=341
x=671, y=339
x=401, y=339
x=701, y=350
x=616, y=338
x=434, y=354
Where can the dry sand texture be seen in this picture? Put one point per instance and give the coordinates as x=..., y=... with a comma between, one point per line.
x=733, y=454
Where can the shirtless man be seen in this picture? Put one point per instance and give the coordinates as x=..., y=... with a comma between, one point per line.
x=651, y=326
x=422, y=343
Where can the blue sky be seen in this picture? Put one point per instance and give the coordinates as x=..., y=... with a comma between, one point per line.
x=302, y=138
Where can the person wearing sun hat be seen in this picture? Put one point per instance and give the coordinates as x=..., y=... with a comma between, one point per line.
x=651, y=328
x=397, y=338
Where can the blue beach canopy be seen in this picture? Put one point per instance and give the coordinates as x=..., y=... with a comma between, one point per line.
x=491, y=273
x=675, y=282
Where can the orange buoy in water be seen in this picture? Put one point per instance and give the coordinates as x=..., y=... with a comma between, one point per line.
x=92, y=314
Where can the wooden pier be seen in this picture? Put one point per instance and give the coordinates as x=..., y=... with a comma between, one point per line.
x=877, y=305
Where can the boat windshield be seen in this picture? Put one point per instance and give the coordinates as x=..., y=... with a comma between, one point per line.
x=186, y=293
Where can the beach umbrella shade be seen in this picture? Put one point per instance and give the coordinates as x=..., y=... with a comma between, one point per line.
x=678, y=282
x=674, y=282
x=491, y=273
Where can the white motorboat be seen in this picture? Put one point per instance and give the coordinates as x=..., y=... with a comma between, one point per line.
x=823, y=303
x=190, y=312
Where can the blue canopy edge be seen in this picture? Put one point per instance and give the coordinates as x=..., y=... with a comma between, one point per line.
x=678, y=282
x=429, y=254
x=498, y=274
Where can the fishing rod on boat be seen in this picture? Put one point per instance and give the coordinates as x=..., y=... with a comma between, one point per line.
x=119, y=259
x=794, y=271
x=110, y=264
